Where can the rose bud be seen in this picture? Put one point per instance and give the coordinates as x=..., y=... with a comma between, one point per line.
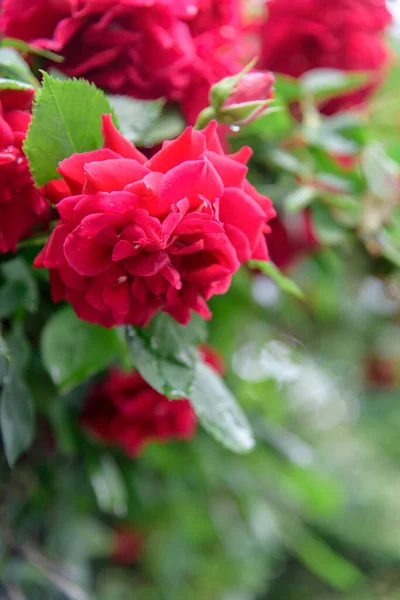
x=249, y=98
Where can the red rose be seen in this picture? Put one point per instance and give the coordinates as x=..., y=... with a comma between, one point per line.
x=21, y=205
x=291, y=239
x=143, y=48
x=301, y=35
x=137, y=236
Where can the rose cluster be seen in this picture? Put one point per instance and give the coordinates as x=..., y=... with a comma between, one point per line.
x=302, y=35
x=136, y=236
x=147, y=49
x=21, y=205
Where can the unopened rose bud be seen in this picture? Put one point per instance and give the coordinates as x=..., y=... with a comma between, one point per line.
x=249, y=98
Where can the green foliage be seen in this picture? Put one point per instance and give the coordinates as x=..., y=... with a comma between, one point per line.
x=73, y=350
x=66, y=119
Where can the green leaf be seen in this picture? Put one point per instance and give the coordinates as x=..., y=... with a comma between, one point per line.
x=328, y=83
x=66, y=119
x=29, y=49
x=327, y=230
x=288, y=88
x=300, y=198
x=284, y=283
x=16, y=410
x=272, y=124
x=4, y=358
x=11, y=298
x=164, y=354
x=286, y=161
x=322, y=560
x=13, y=84
x=218, y=410
x=382, y=173
x=13, y=66
x=73, y=350
x=136, y=117
x=167, y=127
x=108, y=483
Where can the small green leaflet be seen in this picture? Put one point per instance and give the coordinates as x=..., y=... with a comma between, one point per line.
x=16, y=408
x=284, y=283
x=66, y=119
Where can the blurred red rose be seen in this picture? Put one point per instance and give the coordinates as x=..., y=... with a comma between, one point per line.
x=291, y=239
x=21, y=205
x=301, y=35
x=381, y=373
x=124, y=410
x=137, y=236
x=143, y=48
x=127, y=545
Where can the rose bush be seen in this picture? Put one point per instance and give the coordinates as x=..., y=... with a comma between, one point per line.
x=137, y=236
x=135, y=47
x=310, y=34
x=21, y=205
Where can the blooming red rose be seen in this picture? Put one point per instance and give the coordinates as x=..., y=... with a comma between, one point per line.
x=137, y=236
x=143, y=48
x=124, y=410
x=21, y=205
x=291, y=239
x=302, y=35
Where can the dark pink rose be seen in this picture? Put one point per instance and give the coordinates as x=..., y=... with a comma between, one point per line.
x=21, y=205
x=143, y=48
x=301, y=35
x=140, y=235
